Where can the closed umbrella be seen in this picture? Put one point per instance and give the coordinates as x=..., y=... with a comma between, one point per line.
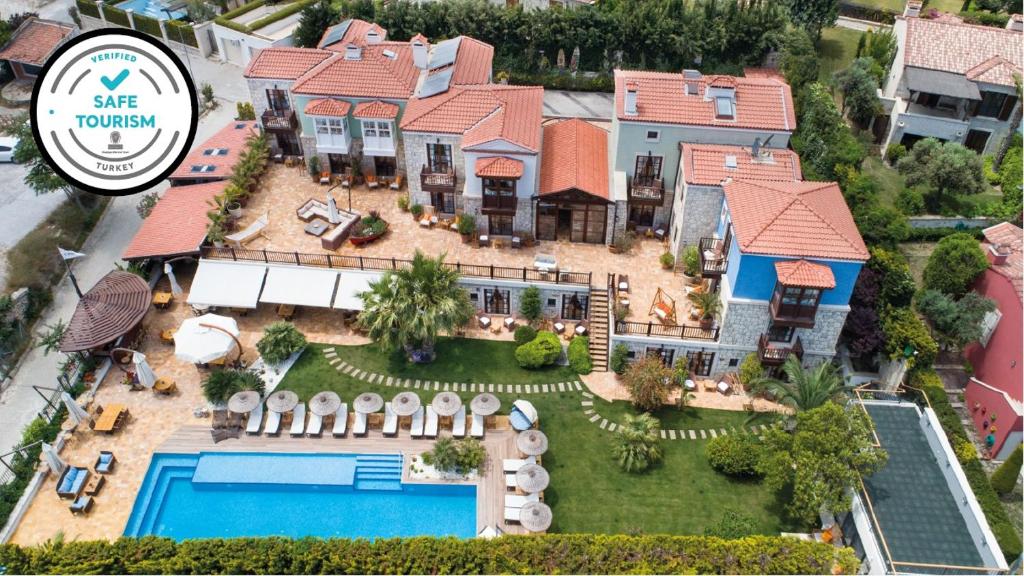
x=205, y=338
x=142, y=369
x=532, y=442
x=368, y=402
x=53, y=460
x=282, y=401
x=244, y=402
x=175, y=287
x=75, y=412
x=332, y=211
x=324, y=403
x=485, y=404
x=405, y=403
x=535, y=516
x=532, y=478
x=490, y=532
x=446, y=403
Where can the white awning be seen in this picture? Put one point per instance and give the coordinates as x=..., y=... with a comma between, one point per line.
x=299, y=286
x=227, y=284
x=351, y=284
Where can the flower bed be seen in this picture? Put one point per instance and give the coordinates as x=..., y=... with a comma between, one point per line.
x=368, y=229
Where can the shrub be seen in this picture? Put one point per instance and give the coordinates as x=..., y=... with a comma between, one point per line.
x=280, y=340
x=648, y=381
x=579, y=355
x=314, y=165
x=991, y=176
x=894, y=152
x=983, y=18
x=619, y=359
x=954, y=264
x=470, y=455
x=896, y=281
x=936, y=234
x=525, y=334
x=529, y=304
x=543, y=350
x=245, y=111
x=667, y=260
x=403, y=203
x=461, y=456
x=417, y=211
x=1005, y=477
x=910, y=201
x=146, y=204
x=751, y=370
x=637, y=446
x=734, y=455
x=178, y=31
x=902, y=328
x=691, y=261
x=221, y=384
x=467, y=224
x=732, y=525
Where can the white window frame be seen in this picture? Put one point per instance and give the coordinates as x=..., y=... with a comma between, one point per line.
x=655, y=138
x=988, y=326
x=331, y=132
x=378, y=135
x=732, y=108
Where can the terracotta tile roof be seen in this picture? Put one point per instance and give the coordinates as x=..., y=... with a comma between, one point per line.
x=481, y=114
x=804, y=273
x=373, y=75
x=376, y=109
x=34, y=41
x=761, y=103
x=355, y=33
x=1012, y=237
x=575, y=156
x=800, y=219
x=960, y=48
x=327, y=107
x=473, y=64
x=231, y=138
x=177, y=224
x=705, y=164
x=284, y=63
x=499, y=167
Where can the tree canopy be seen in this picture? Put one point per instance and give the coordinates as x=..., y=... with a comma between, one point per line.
x=806, y=388
x=315, y=19
x=39, y=177
x=947, y=170
x=813, y=15
x=648, y=381
x=955, y=323
x=823, y=139
x=859, y=85
x=954, y=264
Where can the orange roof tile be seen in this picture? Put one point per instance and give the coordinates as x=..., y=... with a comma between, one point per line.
x=804, y=273
x=801, y=219
x=958, y=47
x=34, y=41
x=327, y=107
x=575, y=156
x=473, y=64
x=284, y=63
x=1012, y=238
x=481, y=114
x=355, y=33
x=761, y=103
x=376, y=109
x=177, y=224
x=706, y=164
x=499, y=167
x=232, y=138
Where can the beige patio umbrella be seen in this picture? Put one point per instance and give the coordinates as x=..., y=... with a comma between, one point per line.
x=535, y=516
x=282, y=401
x=244, y=402
x=532, y=478
x=485, y=404
x=324, y=403
x=446, y=403
x=532, y=442
x=368, y=402
x=405, y=403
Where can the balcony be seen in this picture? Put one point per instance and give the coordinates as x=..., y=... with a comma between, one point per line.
x=789, y=312
x=498, y=204
x=647, y=191
x=440, y=179
x=774, y=354
x=280, y=120
x=713, y=257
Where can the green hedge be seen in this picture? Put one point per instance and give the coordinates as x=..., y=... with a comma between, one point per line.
x=541, y=554
x=998, y=520
x=985, y=18
x=563, y=81
x=116, y=16
x=147, y=25
x=936, y=234
x=579, y=355
x=244, y=8
x=88, y=8
x=870, y=13
x=25, y=466
x=284, y=12
x=280, y=14
x=178, y=31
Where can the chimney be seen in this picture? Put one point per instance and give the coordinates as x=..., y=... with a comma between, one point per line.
x=912, y=8
x=420, y=48
x=630, y=104
x=353, y=52
x=998, y=254
x=373, y=36
x=1015, y=23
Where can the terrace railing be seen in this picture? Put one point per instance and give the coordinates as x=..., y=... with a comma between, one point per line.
x=344, y=261
x=651, y=329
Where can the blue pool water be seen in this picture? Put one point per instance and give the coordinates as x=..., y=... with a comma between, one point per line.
x=151, y=8
x=214, y=495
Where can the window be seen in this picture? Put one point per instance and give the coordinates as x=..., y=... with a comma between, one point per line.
x=723, y=108
x=330, y=131
x=641, y=215
x=991, y=104
x=734, y=362
x=215, y=152
x=496, y=301
x=653, y=135
x=575, y=307
x=552, y=302
x=667, y=355
x=439, y=158
x=499, y=194
x=474, y=297
x=976, y=140
x=277, y=100
x=778, y=333
x=202, y=168
x=795, y=304
x=926, y=99
x=700, y=362
x=988, y=326
x=499, y=225
x=648, y=169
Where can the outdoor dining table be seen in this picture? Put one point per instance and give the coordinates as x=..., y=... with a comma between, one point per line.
x=108, y=421
x=162, y=300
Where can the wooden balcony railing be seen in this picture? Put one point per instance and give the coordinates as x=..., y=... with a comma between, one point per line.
x=499, y=204
x=280, y=120
x=712, y=257
x=774, y=354
x=647, y=191
x=654, y=330
x=437, y=179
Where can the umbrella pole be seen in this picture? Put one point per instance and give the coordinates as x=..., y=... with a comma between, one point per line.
x=238, y=343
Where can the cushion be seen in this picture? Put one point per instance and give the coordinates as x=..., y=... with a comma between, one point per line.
x=106, y=458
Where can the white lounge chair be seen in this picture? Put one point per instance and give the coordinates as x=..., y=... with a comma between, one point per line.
x=390, y=421
x=340, y=421
x=477, y=430
x=359, y=426
x=459, y=423
x=273, y=425
x=255, y=419
x=512, y=514
x=517, y=501
x=315, y=425
x=416, y=428
x=510, y=482
x=298, y=419
x=430, y=430
x=509, y=465
x=254, y=229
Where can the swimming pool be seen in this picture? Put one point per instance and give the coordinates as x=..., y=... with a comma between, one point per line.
x=223, y=495
x=151, y=8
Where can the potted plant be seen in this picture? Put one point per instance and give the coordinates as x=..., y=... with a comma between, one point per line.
x=668, y=261
x=403, y=203
x=709, y=305
x=368, y=229
x=232, y=201
x=467, y=227
x=215, y=233
x=416, y=210
x=691, y=265
x=622, y=243
x=314, y=168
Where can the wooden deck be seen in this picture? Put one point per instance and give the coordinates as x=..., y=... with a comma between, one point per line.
x=490, y=494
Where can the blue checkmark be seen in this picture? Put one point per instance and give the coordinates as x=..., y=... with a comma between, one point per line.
x=112, y=84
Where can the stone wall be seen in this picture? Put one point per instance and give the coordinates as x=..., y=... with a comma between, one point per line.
x=416, y=157
x=696, y=216
x=550, y=294
x=744, y=321
x=258, y=93
x=523, y=222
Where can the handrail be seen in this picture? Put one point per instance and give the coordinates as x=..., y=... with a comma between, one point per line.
x=650, y=329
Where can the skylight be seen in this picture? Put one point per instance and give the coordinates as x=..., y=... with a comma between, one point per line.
x=730, y=161
x=723, y=107
x=202, y=168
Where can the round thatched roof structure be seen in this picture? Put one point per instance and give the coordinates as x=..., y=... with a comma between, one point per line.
x=114, y=306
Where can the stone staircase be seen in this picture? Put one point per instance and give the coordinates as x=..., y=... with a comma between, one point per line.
x=599, y=329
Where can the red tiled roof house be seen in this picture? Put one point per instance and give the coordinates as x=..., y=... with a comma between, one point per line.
x=32, y=43
x=215, y=158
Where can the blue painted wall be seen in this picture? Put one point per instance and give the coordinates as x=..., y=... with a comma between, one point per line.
x=752, y=276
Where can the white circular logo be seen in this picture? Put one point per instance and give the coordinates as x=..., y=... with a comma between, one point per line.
x=114, y=112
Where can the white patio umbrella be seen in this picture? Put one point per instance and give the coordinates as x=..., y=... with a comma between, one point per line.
x=490, y=532
x=142, y=369
x=205, y=338
x=175, y=287
x=332, y=211
x=53, y=460
x=75, y=412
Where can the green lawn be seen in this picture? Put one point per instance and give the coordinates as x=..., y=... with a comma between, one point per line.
x=588, y=492
x=836, y=51
x=897, y=5
x=917, y=254
x=890, y=182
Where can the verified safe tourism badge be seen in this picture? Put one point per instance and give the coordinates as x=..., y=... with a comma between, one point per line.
x=114, y=112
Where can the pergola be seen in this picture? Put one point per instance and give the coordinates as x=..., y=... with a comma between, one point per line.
x=112, y=308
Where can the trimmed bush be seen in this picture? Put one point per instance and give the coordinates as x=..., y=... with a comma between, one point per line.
x=280, y=340
x=529, y=304
x=579, y=355
x=620, y=358
x=147, y=25
x=525, y=334
x=178, y=31
x=954, y=265
x=88, y=8
x=735, y=454
x=1005, y=477
x=903, y=328
x=543, y=350
x=894, y=152
x=116, y=16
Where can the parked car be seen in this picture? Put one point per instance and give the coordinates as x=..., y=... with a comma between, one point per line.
x=7, y=146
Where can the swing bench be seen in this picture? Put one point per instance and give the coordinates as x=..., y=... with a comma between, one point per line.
x=664, y=307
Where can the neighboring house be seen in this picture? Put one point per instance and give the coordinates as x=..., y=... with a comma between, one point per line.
x=951, y=81
x=656, y=111
x=215, y=158
x=177, y=225
x=32, y=43
x=994, y=394
x=475, y=149
x=240, y=44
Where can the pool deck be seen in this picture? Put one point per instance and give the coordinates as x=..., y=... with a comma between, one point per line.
x=490, y=484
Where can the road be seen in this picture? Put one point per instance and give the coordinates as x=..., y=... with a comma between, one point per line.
x=20, y=210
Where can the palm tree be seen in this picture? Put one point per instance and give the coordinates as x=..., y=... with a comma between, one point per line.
x=408, y=308
x=805, y=389
x=636, y=445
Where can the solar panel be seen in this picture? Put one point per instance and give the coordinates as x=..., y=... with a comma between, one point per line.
x=443, y=53
x=335, y=34
x=436, y=83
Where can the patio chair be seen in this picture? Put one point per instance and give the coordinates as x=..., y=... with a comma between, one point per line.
x=254, y=229
x=397, y=183
x=459, y=423
x=390, y=420
x=252, y=426
x=359, y=426
x=220, y=419
x=477, y=429
x=517, y=501
x=509, y=465
x=273, y=425
x=105, y=463
x=430, y=430
x=512, y=514
x=340, y=421
x=298, y=420
x=371, y=182
x=315, y=426
x=325, y=177
x=416, y=428
x=71, y=482
x=81, y=505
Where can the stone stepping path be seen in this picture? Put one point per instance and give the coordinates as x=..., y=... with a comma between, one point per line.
x=587, y=404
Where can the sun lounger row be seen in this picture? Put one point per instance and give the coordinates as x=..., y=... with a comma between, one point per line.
x=425, y=423
x=514, y=503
